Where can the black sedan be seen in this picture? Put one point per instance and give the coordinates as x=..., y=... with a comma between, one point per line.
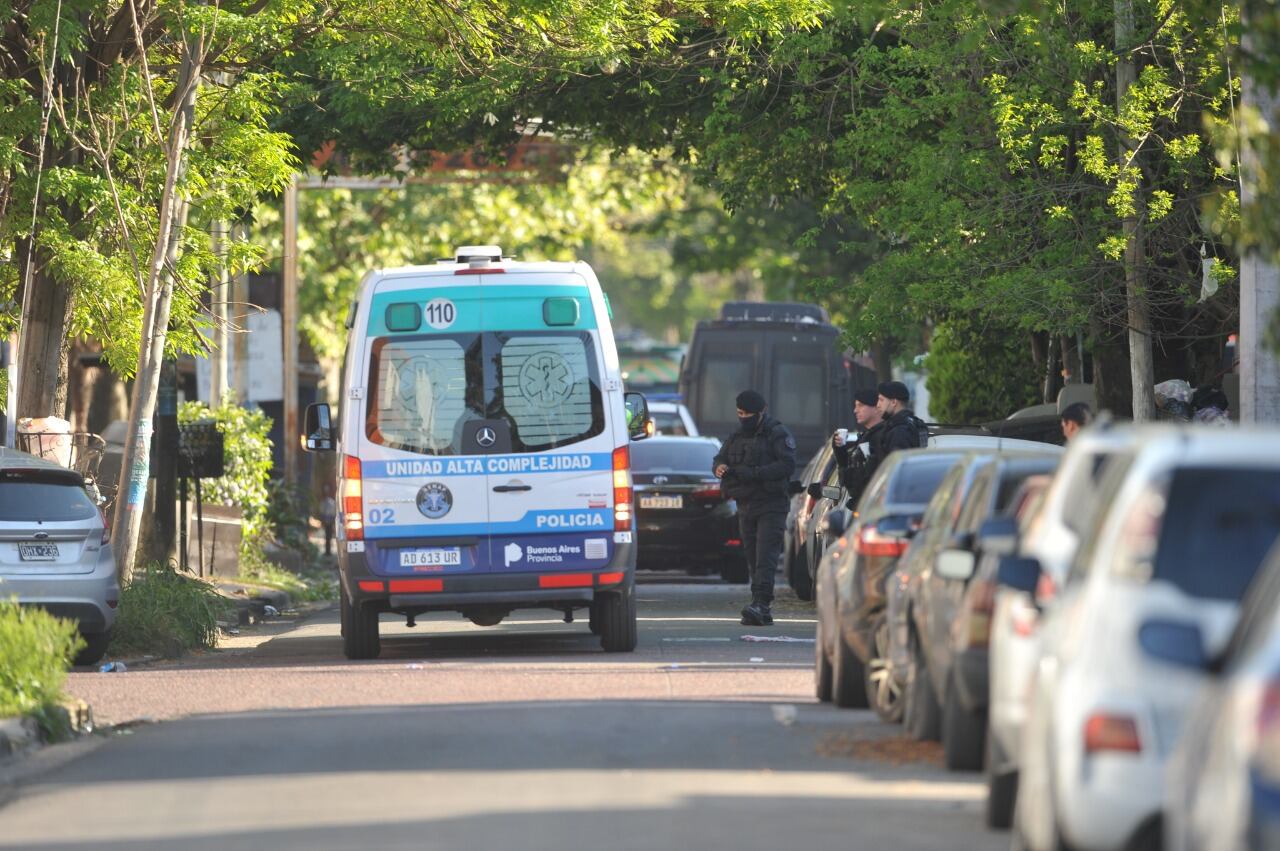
x=683, y=520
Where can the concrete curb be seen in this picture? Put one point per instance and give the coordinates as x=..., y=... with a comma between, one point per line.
x=19, y=736
x=251, y=601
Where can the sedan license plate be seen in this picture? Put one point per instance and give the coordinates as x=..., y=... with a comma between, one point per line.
x=434, y=557
x=38, y=552
x=662, y=502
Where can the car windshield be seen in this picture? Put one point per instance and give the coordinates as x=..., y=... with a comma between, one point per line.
x=1218, y=526
x=917, y=481
x=693, y=456
x=425, y=389
x=27, y=496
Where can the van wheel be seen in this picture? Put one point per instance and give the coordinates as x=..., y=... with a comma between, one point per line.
x=361, y=639
x=963, y=733
x=95, y=647
x=618, y=619
x=593, y=618
x=343, y=605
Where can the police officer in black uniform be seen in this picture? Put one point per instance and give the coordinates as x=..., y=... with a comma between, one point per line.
x=755, y=465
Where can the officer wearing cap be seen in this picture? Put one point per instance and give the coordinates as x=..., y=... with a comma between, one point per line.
x=902, y=428
x=755, y=466
x=857, y=457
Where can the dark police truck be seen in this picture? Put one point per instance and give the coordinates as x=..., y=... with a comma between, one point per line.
x=789, y=352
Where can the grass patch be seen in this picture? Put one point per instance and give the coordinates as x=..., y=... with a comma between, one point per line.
x=165, y=612
x=35, y=651
x=312, y=583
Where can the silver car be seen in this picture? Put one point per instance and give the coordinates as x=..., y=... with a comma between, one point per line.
x=55, y=549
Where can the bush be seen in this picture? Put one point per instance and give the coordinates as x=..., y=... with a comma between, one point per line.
x=35, y=651
x=248, y=462
x=167, y=613
x=979, y=373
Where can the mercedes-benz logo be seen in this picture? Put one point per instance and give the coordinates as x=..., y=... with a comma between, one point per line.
x=486, y=437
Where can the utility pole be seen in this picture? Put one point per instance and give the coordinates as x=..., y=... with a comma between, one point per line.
x=1141, y=363
x=1259, y=285
x=218, y=299
x=289, y=320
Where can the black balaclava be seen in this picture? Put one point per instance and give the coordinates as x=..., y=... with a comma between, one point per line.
x=753, y=403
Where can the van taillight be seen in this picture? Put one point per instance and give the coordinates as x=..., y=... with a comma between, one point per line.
x=622, y=494
x=352, y=499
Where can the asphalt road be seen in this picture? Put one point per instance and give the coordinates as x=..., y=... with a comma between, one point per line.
x=525, y=735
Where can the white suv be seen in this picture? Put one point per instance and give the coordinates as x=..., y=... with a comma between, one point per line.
x=55, y=549
x=1188, y=517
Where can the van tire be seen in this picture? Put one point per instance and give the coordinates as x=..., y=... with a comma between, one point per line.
x=593, y=618
x=361, y=640
x=618, y=619
x=343, y=606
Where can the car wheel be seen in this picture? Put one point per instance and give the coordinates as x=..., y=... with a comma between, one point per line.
x=963, y=733
x=921, y=714
x=798, y=577
x=361, y=640
x=848, y=679
x=1002, y=790
x=95, y=647
x=618, y=619
x=883, y=691
x=821, y=667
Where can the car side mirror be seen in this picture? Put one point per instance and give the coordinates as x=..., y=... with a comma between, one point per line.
x=832, y=492
x=955, y=564
x=1176, y=642
x=639, y=423
x=318, y=431
x=795, y=488
x=1020, y=574
x=814, y=490
x=836, y=522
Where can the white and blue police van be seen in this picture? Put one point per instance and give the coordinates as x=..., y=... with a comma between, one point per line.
x=483, y=436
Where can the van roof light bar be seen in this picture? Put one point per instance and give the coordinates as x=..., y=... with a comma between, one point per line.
x=478, y=254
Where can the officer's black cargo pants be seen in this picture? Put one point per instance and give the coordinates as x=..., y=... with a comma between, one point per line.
x=762, y=540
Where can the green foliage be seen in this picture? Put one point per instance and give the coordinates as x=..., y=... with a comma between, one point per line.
x=978, y=373
x=311, y=583
x=167, y=613
x=247, y=462
x=35, y=650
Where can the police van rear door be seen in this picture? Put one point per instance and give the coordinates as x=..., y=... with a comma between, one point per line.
x=426, y=493
x=551, y=483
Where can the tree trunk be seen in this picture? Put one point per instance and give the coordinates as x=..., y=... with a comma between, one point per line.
x=1072, y=361
x=173, y=217
x=1111, y=374
x=1141, y=369
x=1051, y=370
x=42, y=364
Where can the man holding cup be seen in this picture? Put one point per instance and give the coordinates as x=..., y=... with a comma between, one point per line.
x=857, y=462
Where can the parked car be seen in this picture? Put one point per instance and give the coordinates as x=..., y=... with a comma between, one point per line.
x=672, y=418
x=55, y=550
x=952, y=623
x=852, y=634
x=683, y=520
x=795, y=556
x=1223, y=781
x=930, y=593
x=1186, y=522
x=1051, y=534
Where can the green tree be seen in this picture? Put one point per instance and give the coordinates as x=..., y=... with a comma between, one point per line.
x=978, y=372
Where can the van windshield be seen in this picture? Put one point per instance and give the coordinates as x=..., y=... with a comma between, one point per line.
x=423, y=390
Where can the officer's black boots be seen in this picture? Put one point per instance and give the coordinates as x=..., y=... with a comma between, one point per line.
x=757, y=614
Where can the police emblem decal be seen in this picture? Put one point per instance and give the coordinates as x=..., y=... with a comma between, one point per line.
x=434, y=500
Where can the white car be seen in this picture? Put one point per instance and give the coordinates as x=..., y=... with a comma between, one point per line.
x=1189, y=515
x=1051, y=535
x=672, y=418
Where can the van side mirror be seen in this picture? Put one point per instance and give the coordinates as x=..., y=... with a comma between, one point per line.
x=318, y=432
x=1020, y=574
x=955, y=564
x=1176, y=642
x=639, y=423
